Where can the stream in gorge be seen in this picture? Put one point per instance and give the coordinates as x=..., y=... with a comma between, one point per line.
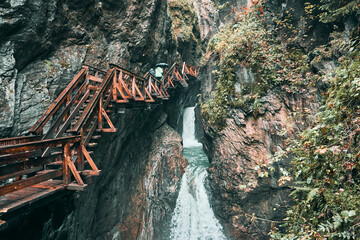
x=193, y=217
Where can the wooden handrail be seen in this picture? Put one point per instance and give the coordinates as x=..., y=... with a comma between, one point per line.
x=17, y=140
x=89, y=110
x=94, y=68
x=30, y=146
x=38, y=126
x=112, y=65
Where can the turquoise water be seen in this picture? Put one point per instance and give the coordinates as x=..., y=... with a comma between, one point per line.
x=193, y=217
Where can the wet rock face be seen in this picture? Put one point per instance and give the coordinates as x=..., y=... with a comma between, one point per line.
x=7, y=83
x=207, y=17
x=135, y=194
x=157, y=190
x=137, y=191
x=44, y=43
x=243, y=198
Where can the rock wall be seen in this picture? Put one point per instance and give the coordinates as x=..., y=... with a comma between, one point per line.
x=141, y=164
x=136, y=192
x=247, y=196
x=44, y=43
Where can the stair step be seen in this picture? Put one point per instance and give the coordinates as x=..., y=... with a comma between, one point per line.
x=76, y=187
x=90, y=173
x=95, y=137
x=53, y=165
x=55, y=153
x=44, y=172
x=90, y=152
x=92, y=144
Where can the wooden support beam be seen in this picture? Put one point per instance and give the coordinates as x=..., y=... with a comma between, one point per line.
x=112, y=128
x=74, y=172
x=89, y=159
x=136, y=92
x=149, y=96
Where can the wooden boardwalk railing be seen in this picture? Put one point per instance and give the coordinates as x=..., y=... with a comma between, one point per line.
x=47, y=161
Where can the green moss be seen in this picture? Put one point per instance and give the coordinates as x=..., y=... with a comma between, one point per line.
x=338, y=10
x=251, y=43
x=183, y=19
x=326, y=162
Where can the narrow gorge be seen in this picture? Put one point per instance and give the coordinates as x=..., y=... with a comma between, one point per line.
x=249, y=132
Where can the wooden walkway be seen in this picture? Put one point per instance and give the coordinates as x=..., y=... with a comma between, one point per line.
x=41, y=164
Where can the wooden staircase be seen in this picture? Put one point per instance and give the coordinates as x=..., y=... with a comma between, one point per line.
x=54, y=155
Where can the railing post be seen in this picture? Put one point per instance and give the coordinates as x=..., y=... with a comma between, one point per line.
x=80, y=156
x=114, y=87
x=150, y=83
x=66, y=158
x=99, y=112
x=133, y=88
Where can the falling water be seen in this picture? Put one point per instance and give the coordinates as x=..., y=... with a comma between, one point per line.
x=193, y=217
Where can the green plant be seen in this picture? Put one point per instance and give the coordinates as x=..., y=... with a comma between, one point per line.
x=336, y=10
x=183, y=19
x=326, y=163
x=250, y=42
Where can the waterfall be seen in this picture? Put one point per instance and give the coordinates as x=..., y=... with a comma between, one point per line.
x=193, y=217
x=189, y=128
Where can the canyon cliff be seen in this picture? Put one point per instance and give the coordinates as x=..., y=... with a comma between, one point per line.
x=43, y=45
x=257, y=92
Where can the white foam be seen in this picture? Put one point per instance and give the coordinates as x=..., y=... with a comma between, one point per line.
x=193, y=217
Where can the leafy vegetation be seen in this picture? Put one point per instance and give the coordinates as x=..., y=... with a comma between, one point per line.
x=325, y=156
x=326, y=163
x=183, y=19
x=250, y=42
x=337, y=10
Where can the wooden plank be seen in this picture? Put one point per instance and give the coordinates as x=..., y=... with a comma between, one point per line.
x=95, y=79
x=137, y=90
x=38, y=144
x=29, y=195
x=90, y=133
x=114, y=93
x=122, y=85
x=29, y=181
